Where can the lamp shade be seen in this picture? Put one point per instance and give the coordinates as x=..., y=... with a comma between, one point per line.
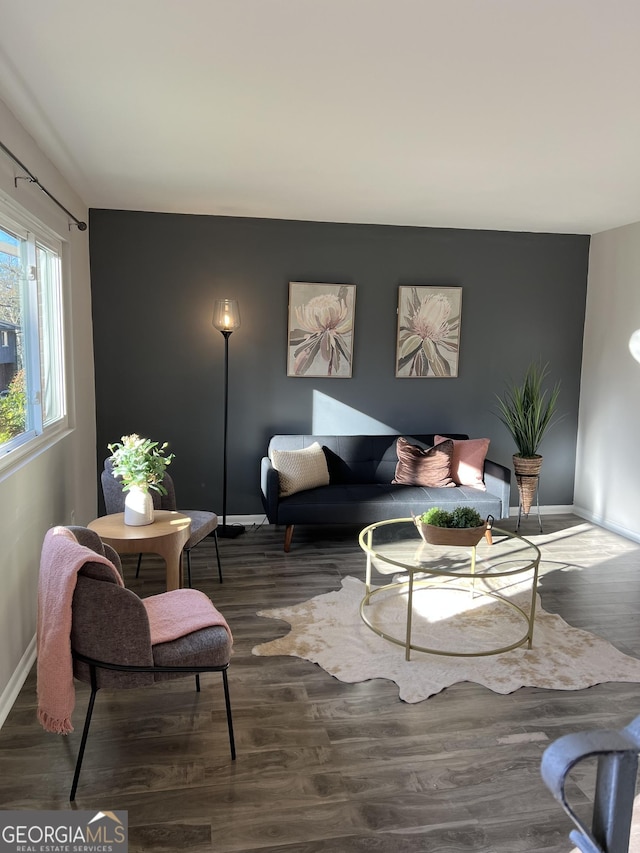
x=634, y=344
x=226, y=315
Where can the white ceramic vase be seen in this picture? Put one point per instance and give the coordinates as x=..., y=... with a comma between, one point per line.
x=138, y=507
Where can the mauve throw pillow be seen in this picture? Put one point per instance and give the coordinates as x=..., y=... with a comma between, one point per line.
x=418, y=467
x=467, y=463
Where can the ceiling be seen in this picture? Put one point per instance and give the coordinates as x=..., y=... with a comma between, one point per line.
x=493, y=114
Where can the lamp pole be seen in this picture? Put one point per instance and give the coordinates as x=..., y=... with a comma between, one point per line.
x=227, y=335
x=226, y=318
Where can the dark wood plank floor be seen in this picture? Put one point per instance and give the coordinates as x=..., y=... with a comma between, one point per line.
x=322, y=765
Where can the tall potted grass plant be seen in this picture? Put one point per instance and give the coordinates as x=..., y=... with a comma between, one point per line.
x=527, y=410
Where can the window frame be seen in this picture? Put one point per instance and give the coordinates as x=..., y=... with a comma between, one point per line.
x=40, y=434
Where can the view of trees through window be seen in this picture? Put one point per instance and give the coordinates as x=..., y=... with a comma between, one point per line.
x=12, y=379
x=32, y=388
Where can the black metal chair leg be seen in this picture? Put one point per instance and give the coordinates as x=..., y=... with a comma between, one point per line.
x=198, y=682
x=138, y=566
x=188, y=553
x=227, y=700
x=215, y=539
x=85, y=734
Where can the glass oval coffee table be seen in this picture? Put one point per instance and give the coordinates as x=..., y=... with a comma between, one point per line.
x=486, y=574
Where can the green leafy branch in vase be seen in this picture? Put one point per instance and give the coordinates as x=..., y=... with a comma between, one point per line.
x=140, y=462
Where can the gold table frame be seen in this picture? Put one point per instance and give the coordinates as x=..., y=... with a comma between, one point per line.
x=434, y=580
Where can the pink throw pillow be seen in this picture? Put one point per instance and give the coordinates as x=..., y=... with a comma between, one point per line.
x=467, y=462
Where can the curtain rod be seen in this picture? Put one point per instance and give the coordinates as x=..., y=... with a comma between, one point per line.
x=82, y=226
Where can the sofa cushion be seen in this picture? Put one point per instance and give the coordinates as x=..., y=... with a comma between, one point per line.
x=339, y=471
x=206, y=647
x=300, y=469
x=419, y=467
x=366, y=503
x=467, y=464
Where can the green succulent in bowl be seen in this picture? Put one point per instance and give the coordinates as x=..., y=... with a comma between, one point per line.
x=458, y=517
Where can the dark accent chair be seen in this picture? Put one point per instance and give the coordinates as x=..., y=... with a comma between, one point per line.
x=615, y=754
x=203, y=523
x=111, y=643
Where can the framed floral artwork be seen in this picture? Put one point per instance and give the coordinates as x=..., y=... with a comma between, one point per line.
x=320, y=333
x=428, y=332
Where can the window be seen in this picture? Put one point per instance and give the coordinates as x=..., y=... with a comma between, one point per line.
x=32, y=381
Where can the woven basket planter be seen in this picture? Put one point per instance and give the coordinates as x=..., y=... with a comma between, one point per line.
x=527, y=471
x=464, y=536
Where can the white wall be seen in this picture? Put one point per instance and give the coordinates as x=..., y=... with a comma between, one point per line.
x=59, y=485
x=607, y=484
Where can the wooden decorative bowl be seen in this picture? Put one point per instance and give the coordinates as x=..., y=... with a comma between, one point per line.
x=464, y=536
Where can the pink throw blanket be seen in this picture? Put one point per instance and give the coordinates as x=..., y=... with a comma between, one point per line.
x=180, y=612
x=171, y=615
x=61, y=560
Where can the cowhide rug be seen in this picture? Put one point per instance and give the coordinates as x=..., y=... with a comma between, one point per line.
x=329, y=631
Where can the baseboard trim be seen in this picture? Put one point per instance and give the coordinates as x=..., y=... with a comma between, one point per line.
x=13, y=688
x=247, y=520
x=544, y=510
x=607, y=525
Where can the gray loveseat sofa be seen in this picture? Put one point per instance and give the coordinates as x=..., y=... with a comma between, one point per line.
x=360, y=491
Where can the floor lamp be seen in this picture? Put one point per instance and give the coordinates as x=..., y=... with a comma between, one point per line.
x=226, y=318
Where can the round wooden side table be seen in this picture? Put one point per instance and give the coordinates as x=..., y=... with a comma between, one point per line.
x=165, y=536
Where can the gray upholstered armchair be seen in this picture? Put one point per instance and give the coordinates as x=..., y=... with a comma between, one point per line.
x=112, y=644
x=203, y=523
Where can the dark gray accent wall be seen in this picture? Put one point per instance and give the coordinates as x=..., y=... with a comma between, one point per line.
x=159, y=361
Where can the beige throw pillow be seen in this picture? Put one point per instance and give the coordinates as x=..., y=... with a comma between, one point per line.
x=300, y=469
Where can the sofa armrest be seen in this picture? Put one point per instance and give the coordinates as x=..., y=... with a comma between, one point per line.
x=497, y=479
x=270, y=489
